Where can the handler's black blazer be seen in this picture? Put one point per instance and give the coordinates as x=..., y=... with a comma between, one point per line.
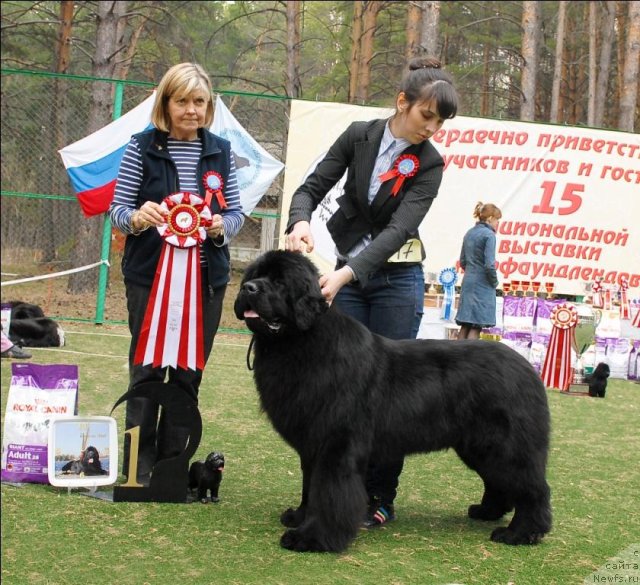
x=390, y=220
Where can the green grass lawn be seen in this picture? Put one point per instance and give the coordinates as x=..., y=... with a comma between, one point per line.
x=51, y=536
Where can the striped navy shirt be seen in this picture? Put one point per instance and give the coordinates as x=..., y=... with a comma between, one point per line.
x=185, y=155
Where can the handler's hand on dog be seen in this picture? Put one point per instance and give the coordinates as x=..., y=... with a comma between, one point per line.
x=331, y=283
x=300, y=238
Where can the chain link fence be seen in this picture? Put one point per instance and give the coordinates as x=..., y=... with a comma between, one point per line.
x=42, y=226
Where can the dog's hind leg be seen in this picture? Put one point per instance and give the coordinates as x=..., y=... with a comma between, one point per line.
x=532, y=517
x=494, y=505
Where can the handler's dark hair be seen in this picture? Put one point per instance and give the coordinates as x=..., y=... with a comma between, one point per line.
x=426, y=80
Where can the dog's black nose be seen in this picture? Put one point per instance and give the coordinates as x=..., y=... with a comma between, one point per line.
x=250, y=287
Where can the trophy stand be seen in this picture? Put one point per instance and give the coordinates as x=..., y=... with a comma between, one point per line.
x=584, y=336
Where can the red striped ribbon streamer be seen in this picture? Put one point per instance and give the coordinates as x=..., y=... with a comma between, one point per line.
x=625, y=311
x=171, y=333
x=557, y=370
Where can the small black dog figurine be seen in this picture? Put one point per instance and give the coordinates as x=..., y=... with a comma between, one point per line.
x=206, y=476
x=598, y=380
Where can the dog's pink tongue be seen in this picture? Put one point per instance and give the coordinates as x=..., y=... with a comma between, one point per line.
x=250, y=314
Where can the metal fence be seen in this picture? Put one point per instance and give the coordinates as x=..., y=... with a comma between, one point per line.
x=41, y=222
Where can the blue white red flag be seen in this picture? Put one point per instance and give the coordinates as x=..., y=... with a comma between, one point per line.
x=92, y=163
x=255, y=167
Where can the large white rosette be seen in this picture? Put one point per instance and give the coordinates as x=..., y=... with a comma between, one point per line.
x=171, y=333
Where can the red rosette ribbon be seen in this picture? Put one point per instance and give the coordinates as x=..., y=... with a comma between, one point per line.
x=406, y=166
x=596, y=293
x=213, y=185
x=171, y=333
x=625, y=309
x=557, y=371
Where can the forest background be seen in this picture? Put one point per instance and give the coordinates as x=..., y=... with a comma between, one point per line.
x=571, y=63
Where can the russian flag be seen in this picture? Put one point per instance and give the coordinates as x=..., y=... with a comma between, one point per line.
x=92, y=163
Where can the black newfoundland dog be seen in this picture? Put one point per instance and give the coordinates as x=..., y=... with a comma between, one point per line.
x=340, y=395
x=206, y=476
x=88, y=464
x=30, y=328
x=598, y=380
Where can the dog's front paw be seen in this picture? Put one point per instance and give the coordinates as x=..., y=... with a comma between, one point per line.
x=508, y=536
x=292, y=518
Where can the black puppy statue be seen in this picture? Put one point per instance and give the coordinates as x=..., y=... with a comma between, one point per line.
x=206, y=476
x=598, y=380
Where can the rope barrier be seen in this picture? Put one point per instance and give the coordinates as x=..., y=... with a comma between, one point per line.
x=54, y=274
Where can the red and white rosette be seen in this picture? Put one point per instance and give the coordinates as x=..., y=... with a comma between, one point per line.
x=213, y=185
x=557, y=371
x=625, y=310
x=596, y=292
x=171, y=332
x=406, y=166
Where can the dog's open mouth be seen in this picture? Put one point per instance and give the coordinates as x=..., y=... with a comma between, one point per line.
x=251, y=314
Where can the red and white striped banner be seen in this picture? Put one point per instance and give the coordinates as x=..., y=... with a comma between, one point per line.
x=557, y=370
x=171, y=332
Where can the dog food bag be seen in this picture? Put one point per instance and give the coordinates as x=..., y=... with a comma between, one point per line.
x=36, y=393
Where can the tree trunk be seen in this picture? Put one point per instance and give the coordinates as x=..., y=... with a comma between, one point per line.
x=484, y=103
x=293, y=85
x=593, y=74
x=629, y=90
x=369, y=17
x=430, y=28
x=621, y=41
x=602, y=84
x=414, y=23
x=531, y=26
x=556, y=113
x=356, y=41
x=108, y=45
x=57, y=212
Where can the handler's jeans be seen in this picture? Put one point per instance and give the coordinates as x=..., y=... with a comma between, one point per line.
x=391, y=304
x=160, y=439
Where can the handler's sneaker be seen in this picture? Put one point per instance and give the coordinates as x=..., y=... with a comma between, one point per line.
x=382, y=514
x=16, y=352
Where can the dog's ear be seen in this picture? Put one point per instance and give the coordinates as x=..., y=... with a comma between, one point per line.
x=307, y=309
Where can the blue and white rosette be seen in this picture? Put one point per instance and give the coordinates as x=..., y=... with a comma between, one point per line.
x=448, y=278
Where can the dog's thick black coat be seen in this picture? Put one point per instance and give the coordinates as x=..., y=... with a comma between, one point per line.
x=340, y=395
x=597, y=380
x=30, y=328
x=206, y=476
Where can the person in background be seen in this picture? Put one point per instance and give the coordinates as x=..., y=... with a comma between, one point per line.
x=477, y=305
x=174, y=156
x=393, y=176
x=11, y=350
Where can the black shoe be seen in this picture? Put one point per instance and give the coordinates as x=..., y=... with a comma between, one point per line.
x=16, y=352
x=380, y=515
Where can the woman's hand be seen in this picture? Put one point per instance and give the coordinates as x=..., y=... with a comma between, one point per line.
x=216, y=230
x=332, y=282
x=150, y=214
x=299, y=239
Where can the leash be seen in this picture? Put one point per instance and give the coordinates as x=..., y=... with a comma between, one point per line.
x=249, y=366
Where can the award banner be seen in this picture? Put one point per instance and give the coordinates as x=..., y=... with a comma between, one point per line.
x=171, y=332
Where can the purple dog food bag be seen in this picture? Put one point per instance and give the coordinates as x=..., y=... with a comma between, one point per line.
x=36, y=393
